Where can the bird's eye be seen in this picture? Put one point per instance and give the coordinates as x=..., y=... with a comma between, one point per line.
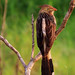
x=47, y=8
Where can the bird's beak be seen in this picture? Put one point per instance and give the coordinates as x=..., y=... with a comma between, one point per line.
x=54, y=9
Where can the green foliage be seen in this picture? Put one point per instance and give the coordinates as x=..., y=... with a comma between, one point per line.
x=18, y=33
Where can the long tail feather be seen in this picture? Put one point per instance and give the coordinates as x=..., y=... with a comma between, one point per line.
x=47, y=65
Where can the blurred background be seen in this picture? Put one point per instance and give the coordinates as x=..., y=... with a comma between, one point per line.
x=18, y=31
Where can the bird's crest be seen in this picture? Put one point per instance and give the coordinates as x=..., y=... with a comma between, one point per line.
x=49, y=6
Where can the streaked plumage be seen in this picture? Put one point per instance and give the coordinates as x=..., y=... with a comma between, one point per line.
x=50, y=32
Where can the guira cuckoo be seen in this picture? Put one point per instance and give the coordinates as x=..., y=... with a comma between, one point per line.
x=45, y=29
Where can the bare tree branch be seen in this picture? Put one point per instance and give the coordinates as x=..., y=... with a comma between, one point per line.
x=32, y=54
x=13, y=49
x=31, y=63
x=62, y=26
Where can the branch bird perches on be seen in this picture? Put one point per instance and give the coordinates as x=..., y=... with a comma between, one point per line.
x=38, y=56
x=68, y=14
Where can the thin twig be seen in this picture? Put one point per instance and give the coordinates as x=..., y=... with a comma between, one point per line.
x=1, y=7
x=68, y=14
x=32, y=54
x=17, y=67
x=13, y=49
x=37, y=57
x=4, y=17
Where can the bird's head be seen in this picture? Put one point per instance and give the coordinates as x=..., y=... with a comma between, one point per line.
x=47, y=9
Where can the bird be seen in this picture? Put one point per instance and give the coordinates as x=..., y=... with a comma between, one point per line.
x=45, y=31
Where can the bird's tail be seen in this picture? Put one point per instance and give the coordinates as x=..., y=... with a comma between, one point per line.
x=47, y=66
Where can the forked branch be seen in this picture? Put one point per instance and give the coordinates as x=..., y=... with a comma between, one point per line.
x=32, y=60
x=31, y=63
